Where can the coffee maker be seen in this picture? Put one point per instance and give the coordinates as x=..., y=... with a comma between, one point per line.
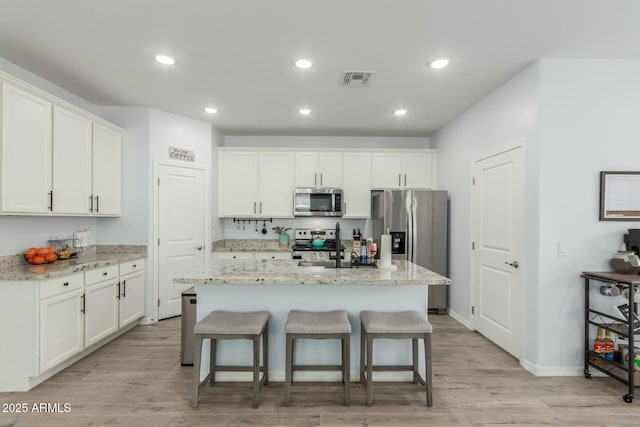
x=632, y=240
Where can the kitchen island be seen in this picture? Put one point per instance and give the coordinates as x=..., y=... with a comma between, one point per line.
x=282, y=285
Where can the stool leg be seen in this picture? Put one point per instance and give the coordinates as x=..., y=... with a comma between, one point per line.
x=362, y=339
x=288, y=366
x=427, y=364
x=265, y=354
x=414, y=346
x=369, y=369
x=213, y=361
x=346, y=368
x=256, y=369
x=197, y=347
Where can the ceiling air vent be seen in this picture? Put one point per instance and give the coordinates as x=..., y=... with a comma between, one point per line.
x=356, y=78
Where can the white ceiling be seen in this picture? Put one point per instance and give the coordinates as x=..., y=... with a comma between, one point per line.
x=237, y=55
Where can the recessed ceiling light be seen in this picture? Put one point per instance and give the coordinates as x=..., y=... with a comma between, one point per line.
x=439, y=63
x=304, y=111
x=304, y=63
x=400, y=112
x=210, y=110
x=166, y=60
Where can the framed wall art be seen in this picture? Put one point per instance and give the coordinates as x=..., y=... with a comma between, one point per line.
x=619, y=196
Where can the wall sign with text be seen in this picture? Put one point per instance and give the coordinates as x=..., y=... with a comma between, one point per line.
x=182, y=154
x=619, y=196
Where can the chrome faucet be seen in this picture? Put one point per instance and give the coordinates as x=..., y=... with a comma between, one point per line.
x=338, y=245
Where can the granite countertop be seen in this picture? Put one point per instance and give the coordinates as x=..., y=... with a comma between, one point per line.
x=288, y=272
x=248, y=245
x=65, y=267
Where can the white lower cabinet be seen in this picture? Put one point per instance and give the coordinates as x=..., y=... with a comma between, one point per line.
x=233, y=255
x=252, y=255
x=100, y=311
x=131, y=292
x=61, y=328
x=273, y=255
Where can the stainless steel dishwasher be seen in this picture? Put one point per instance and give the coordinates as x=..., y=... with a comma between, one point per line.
x=188, y=322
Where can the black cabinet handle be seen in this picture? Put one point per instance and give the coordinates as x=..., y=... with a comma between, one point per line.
x=51, y=200
x=65, y=284
x=134, y=265
x=82, y=310
x=97, y=203
x=118, y=296
x=124, y=289
x=91, y=199
x=105, y=273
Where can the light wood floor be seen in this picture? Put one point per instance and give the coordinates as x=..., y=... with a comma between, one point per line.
x=137, y=380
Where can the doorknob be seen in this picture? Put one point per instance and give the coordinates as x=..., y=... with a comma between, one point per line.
x=199, y=247
x=513, y=264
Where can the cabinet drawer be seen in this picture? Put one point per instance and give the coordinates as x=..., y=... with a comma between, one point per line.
x=61, y=285
x=131, y=266
x=101, y=274
x=273, y=255
x=234, y=255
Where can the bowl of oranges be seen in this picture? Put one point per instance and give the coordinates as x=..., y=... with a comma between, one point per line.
x=41, y=255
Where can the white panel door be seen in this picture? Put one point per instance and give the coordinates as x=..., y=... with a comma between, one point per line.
x=72, y=139
x=238, y=190
x=100, y=311
x=26, y=152
x=306, y=170
x=107, y=171
x=497, y=221
x=61, y=328
x=357, y=185
x=182, y=201
x=330, y=170
x=275, y=183
x=418, y=169
x=386, y=171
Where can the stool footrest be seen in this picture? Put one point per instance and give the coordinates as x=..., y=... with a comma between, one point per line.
x=391, y=367
x=317, y=367
x=234, y=368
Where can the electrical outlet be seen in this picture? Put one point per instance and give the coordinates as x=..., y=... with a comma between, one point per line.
x=562, y=249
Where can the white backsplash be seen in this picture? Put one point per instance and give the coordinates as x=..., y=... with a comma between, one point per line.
x=235, y=231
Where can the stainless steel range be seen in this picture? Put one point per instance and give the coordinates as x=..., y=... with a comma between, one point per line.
x=304, y=250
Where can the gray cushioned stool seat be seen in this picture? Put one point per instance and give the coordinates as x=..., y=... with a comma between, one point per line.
x=231, y=325
x=314, y=322
x=380, y=322
x=232, y=322
x=395, y=325
x=318, y=325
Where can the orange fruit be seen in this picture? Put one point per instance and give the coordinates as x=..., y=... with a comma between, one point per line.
x=31, y=252
x=42, y=251
x=52, y=250
x=51, y=257
x=38, y=259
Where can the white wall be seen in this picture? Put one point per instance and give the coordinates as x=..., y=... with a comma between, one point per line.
x=505, y=116
x=325, y=141
x=589, y=123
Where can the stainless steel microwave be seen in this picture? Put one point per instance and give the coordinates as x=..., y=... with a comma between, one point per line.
x=318, y=202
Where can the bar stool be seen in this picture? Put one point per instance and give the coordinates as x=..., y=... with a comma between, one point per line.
x=230, y=325
x=394, y=325
x=317, y=325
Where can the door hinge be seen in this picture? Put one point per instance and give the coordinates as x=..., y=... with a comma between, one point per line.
x=473, y=309
x=473, y=181
x=473, y=246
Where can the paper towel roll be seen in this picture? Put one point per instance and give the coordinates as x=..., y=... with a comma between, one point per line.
x=385, y=251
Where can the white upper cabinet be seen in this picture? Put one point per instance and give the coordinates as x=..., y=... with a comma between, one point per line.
x=403, y=170
x=107, y=171
x=55, y=158
x=72, y=140
x=238, y=193
x=275, y=184
x=319, y=169
x=256, y=184
x=357, y=185
x=26, y=152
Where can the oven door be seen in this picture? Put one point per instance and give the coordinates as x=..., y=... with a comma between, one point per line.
x=318, y=202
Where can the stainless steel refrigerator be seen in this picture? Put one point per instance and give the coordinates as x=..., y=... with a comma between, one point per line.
x=418, y=223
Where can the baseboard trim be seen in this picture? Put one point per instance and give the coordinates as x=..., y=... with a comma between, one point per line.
x=464, y=322
x=555, y=371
